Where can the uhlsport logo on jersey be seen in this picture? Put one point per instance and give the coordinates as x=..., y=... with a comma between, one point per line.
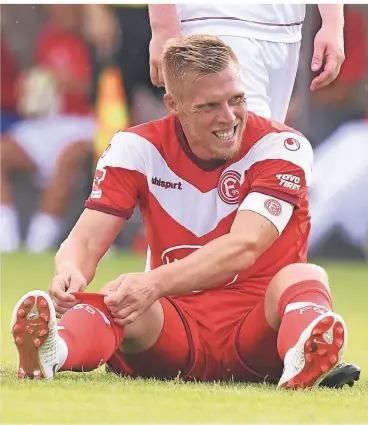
x=176, y=253
x=291, y=144
x=99, y=177
x=229, y=187
x=166, y=184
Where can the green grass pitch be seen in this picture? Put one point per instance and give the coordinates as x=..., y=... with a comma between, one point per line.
x=97, y=397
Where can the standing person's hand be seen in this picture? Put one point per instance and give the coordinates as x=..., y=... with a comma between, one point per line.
x=328, y=51
x=156, y=48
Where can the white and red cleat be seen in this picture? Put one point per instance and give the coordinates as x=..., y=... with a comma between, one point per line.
x=34, y=327
x=317, y=352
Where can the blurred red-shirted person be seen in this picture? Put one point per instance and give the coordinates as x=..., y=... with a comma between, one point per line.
x=55, y=137
x=9, y=74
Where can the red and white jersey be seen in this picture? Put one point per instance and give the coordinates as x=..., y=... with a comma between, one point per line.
x=271, y=22
x=186, y=202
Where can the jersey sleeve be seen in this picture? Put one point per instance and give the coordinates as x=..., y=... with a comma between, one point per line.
x=119, y=178
x=280, y=166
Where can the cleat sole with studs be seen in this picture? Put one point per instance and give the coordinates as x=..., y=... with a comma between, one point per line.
x=30, y=332
x=320, y=356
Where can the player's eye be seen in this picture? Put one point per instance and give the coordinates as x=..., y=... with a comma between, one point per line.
x=237, y=99
x=208, y=106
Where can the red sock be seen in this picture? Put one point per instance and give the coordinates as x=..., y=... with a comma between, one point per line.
x=90, y=333
x=313, y=299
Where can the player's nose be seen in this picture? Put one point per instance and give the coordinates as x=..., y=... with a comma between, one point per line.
x=227, y=115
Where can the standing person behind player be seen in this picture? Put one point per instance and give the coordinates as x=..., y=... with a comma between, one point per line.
x=266, y=39
x=229, y=295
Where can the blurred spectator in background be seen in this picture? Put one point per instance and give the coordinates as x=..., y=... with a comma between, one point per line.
x=56, y=134
x=338, y=129
x=121, y=34
x=9, y=75
x=340, y=101
x=339, y=195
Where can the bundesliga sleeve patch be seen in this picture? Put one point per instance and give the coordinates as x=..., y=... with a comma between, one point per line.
x=276, y=210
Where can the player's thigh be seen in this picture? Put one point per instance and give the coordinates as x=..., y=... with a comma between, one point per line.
x=254, y=74
x=174, y=353
x=251, y=354
x=281, y=60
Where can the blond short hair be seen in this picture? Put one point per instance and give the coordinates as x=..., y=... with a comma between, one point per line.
x=201, y=54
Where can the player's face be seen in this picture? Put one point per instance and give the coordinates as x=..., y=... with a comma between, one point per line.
x=214, y=114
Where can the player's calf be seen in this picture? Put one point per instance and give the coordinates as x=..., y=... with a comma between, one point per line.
x=311, y=338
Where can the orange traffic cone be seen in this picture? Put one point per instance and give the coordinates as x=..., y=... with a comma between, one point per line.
x=111, y=109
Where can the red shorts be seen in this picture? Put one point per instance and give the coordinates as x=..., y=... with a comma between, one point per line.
x=201, y=340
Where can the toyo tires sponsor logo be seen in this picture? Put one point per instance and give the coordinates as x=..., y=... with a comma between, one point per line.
x=290, y=181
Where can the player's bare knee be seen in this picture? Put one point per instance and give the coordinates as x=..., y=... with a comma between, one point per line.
x=294, y=273
x=298, y=272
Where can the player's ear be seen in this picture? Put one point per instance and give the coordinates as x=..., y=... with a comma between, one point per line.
x=171, y=104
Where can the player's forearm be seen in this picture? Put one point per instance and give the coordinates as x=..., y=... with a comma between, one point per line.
x=332, y=14
x=76, y=254
x=164, y=19
x=215, y=263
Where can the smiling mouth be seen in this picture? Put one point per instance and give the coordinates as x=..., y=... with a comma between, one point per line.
x=226, y=135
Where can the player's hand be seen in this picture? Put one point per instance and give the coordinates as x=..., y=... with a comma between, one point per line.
x=61, y=287
x=328, y=49
x=129, y=296
x=156, y=48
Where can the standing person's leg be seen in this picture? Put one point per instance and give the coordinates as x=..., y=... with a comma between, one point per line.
x=254, y=74
x=281, y=60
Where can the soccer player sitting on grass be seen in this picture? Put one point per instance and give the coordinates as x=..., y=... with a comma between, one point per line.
x=227, y=293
